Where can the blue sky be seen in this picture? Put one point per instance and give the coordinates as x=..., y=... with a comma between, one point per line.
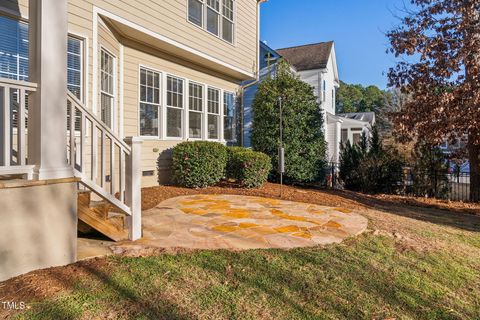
x=358, y=28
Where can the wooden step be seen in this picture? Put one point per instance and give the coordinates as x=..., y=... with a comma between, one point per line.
x=97, y=216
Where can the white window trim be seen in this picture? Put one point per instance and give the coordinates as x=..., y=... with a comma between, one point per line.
x=187, y=121
x=219, y=115
x=220, y=23
x=163, y=109
x=160, y=102
x=223, y=116
x=114, y=104
x=184, y=116
x=83, y=66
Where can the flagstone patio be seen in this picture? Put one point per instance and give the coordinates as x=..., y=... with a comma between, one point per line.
x=244, y=222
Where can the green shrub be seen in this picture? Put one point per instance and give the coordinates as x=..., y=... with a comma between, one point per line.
x=249, y=168
x=370, y=168
x=231, y=151
x=199, y=164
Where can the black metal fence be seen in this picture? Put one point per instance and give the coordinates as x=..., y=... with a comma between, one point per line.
x=440, y=184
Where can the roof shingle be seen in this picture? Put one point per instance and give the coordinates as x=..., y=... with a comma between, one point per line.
x=308, y=57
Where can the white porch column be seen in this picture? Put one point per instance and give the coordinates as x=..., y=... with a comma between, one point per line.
x=47, y=145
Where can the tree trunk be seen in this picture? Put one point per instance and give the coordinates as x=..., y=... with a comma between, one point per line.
x=474, y=159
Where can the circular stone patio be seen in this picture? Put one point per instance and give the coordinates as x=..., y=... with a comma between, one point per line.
x=243, y=222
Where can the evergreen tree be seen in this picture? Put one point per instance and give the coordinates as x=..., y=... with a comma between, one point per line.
x=303, y=137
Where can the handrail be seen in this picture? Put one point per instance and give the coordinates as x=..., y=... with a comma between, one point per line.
x=120, y=159
x=30, y=86
x=94, y=119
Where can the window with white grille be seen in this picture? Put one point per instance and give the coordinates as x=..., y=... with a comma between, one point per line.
x=149, y=102
x=107, y=83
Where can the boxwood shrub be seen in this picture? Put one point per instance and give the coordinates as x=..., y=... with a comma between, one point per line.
x=249, y=168
x=198, y=164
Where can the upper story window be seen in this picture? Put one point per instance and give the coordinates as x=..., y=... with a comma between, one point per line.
x=215, y=16
x=227, y=20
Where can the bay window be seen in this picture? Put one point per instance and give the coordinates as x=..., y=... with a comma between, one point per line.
x=213, y=114
x=149, y=102
x=195, y=106
x=228, y=116
x=174, y=107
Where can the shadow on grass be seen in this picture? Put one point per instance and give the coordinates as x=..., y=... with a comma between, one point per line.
x=310, y=284
x=82, y=297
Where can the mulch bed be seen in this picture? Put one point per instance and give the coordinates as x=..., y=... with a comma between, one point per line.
x=335, y=198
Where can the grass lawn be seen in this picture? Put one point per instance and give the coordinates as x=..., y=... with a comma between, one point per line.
x=414, y=263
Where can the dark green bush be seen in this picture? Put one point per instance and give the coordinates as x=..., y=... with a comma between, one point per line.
x=303, y=139
x=370, y=168
x=231, y=151
x=199, y=164
x=249, y=168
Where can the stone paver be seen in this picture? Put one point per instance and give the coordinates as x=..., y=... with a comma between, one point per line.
x=243, y=222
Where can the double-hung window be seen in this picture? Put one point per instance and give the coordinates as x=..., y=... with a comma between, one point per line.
x=13, y=49
x=324, y=90
x=195, y=12
x=228, y=116
x=75, y=66
x=175, y=89
x=195, y=106
x=149, y=102
x=213, y=113
x=107, y=82
x=215, y=16
x=227, y=20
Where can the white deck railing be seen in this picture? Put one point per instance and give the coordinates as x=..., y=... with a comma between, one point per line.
x=106, y=165
x=13, y=129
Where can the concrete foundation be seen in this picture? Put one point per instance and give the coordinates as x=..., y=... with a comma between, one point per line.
x=38, y=225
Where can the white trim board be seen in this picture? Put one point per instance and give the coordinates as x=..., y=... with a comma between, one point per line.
x=98, y=11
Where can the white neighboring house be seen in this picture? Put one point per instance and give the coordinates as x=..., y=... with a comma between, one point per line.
x=315, y=64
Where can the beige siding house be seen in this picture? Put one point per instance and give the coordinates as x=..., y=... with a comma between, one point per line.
x=171, y=44
x=142, y=76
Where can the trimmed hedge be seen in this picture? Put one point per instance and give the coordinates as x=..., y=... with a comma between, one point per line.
x=199, y=164
x=249, y=168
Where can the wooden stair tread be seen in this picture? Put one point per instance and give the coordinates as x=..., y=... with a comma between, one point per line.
x=96, y=215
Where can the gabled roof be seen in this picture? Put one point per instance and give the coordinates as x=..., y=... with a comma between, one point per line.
x=360, y=116
x=308, y=57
